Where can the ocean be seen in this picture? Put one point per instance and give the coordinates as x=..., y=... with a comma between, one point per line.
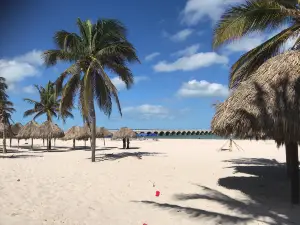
x=207, y=136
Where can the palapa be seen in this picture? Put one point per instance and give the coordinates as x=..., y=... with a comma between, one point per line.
x=16, y=128
x=267, y=104
x=102, y=132
x=28, y=131
x=49, y=130
x=74, y=133
x=124, y=132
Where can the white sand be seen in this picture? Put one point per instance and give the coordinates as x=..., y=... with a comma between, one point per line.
x=66, y=188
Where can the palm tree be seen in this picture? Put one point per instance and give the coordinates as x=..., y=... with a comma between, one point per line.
x=47, y=105
x=98, y=47
x=6, y=109
x=257, y=16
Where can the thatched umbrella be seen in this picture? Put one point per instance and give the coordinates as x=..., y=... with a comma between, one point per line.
x=49, y=130
x=101, y=132
x=28, y=131
x=124, y=133
x=15, y=130
x=73, y=133
x=268, y=104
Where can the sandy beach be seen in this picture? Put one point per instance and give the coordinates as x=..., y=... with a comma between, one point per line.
x=197, y=183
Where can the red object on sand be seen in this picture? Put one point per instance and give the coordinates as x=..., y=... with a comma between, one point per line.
x=145, y=224
x=157, y=193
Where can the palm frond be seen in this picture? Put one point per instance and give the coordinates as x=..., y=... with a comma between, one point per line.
x=250, y=61
x=29, y=112
x=252, y=16
x=51, y=57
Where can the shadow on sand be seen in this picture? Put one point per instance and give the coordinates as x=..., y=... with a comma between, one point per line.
x=267, y=190
x=122, y=155
x=23, y=156
x=129, y=148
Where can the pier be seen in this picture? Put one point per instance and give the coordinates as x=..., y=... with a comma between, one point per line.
x=171, y=132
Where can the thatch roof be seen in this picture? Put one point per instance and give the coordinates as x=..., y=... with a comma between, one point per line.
x=267, y=103
x=29, y=130
x=72, y=133
x=101, y=132
x=49, y=130
x=16, y=128
x=82, y=133
x=124, y=132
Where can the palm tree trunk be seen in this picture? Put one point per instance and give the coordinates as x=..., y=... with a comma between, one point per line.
x=93, y=131
x=104, y=141
x=18, y=142
x=49, y=144
x=43, y=142
x=4, y=139
x=292, y=150
x=10, y=142
x=31, y=143
x=288, y=162
x=73, y=143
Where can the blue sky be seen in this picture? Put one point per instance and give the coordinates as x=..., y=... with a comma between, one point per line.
x=179, y=77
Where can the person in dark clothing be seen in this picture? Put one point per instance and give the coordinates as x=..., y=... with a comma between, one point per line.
x=128, y=142
x=124, y=143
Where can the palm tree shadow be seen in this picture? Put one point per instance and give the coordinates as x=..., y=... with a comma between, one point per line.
x=267, y=186
x=129, y=148
x=204, y=215
x=266, y=189
x=23, y=156
x=122, y=155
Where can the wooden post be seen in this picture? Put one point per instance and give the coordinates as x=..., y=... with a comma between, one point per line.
x=31, y=143
x=292, y=150
x=73, y=143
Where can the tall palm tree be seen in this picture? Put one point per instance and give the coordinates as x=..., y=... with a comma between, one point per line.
x=257, y=16
x=48, y=104
x=6, y=109
x=97, y=48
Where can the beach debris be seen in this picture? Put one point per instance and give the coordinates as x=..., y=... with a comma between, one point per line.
x=145, y=224
x=153, y=184
x=157, y=193
x=18, y=180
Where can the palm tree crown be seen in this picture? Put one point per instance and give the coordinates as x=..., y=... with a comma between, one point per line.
x=257, y=16
x=98, y=47
x=47, y=105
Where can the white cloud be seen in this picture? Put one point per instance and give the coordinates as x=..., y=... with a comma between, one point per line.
x=120, y=85
x=18, y=68
x=187, y=51
x=192, y=62
x=196, y=10
x=245, y=44
x=203, y=88
x=152, y=56
x=29, y=89
x=33, y=58
x=147, y=112
x=251, y=41
x=179, y=36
